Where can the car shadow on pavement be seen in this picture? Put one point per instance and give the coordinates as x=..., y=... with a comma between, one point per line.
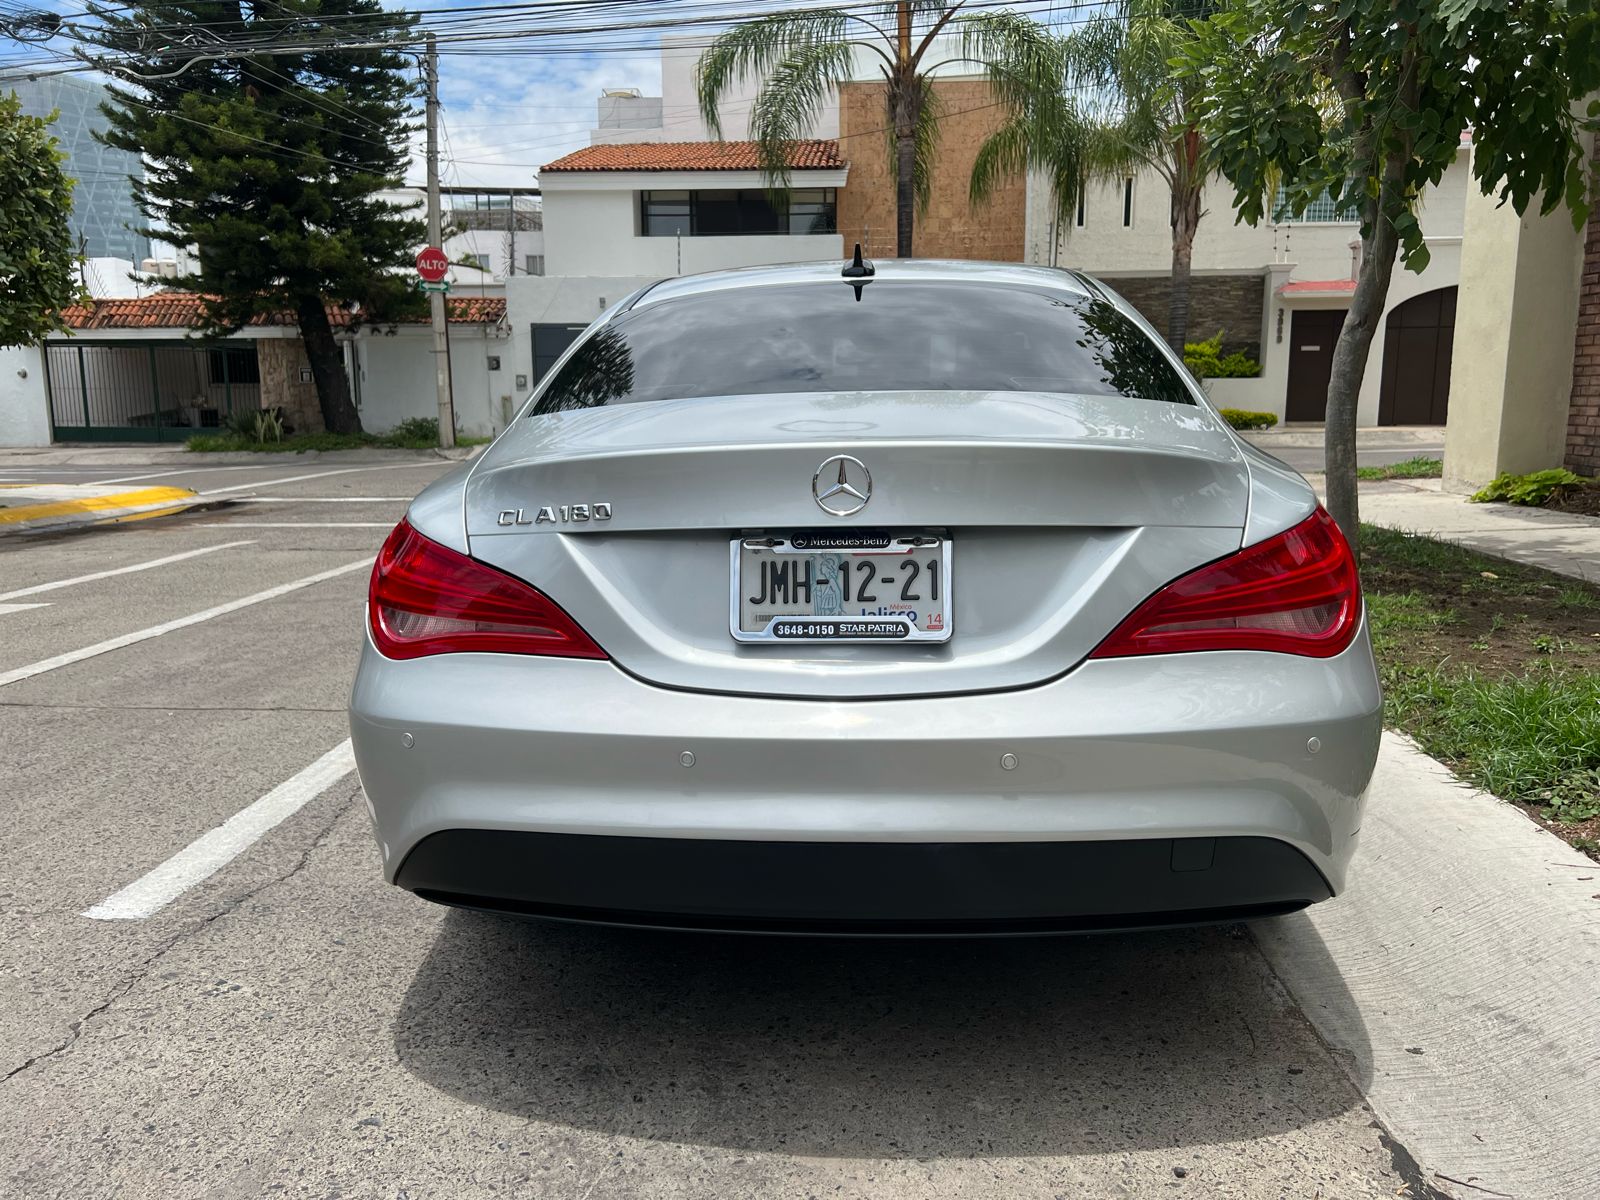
x=944, y=1048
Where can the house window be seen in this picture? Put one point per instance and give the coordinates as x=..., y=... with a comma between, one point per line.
x=1080, y=208
x=666, y=214
x=1322, y=209
x=533, y=264
x=737, y=212
x=480, y=261
x=232, y=365
x=811, y=210
x=1127, y=202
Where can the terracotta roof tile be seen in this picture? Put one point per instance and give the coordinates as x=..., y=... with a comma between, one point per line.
x=181, y=310
x=810, y=155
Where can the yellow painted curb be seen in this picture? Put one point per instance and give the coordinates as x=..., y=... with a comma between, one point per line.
x=90, y=505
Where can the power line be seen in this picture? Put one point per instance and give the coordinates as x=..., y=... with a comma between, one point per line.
x=490, y=40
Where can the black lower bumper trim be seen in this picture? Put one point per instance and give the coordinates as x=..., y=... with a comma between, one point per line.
x=864, y=887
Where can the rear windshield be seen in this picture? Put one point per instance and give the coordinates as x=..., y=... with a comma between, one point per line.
x=899, y=336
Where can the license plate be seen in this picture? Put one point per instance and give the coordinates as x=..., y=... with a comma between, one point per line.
x=827, y=587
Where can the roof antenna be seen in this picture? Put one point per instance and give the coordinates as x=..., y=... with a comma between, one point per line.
x=859, y=271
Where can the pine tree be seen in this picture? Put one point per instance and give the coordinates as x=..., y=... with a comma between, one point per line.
x=269, y=160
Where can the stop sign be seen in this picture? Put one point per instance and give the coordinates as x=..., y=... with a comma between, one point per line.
x=432, y=264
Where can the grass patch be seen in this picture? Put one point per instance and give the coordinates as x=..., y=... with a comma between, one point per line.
x=1494, y=668
x=1410, y=468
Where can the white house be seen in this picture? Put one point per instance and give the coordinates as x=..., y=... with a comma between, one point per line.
x=655, y=196
x=132, y=370
x=491, y=233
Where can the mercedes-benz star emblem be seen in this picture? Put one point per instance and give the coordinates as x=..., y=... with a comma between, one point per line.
x=842, y=485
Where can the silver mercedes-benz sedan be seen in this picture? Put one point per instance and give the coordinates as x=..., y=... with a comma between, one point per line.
x=934, y=598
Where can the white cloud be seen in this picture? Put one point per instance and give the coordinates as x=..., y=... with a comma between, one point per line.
x=506, y=116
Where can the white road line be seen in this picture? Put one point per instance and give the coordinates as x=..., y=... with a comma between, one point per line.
x=297, y=525
x=128, y=639
x=209, y=853
x=12, y=608
x=263, y=483
x=183, y=471
x=325, y=499
x=144, y=566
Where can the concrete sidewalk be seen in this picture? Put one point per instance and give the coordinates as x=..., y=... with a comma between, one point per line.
x=1562, y=542
x=1309, y=434
x=1455, y=980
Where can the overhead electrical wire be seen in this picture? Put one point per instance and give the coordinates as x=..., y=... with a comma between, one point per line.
x=491, y=41
x=495, y=42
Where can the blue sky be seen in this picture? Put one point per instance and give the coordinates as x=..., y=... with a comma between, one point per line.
x=510, y=106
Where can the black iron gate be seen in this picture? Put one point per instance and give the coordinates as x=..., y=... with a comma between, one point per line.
x=147, y=391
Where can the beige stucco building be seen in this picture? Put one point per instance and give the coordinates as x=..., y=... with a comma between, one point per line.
x=1526, y=395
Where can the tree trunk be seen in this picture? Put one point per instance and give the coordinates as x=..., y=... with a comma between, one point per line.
x=1186, y=198
x=905, y=190
x=1178, y=296
x=327, y=368
x=903, y=88
x=1350, y=367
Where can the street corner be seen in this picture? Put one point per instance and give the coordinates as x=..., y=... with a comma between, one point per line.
x=27, y=508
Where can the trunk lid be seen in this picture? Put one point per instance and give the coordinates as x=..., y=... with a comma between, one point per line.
x=1063, y=512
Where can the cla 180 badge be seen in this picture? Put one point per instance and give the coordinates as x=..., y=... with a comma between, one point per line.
x=563, y=514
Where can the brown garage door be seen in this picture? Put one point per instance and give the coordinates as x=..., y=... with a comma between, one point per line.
x=1312, y=335
x=1416, y=360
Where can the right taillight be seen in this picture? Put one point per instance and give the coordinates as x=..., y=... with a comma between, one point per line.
x=428, y=599
x=1296, y=593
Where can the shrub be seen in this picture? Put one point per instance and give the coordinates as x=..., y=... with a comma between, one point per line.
x=416, y=431
x=1241, y=418
x=259, y=425
x=1207, y=361
x=269, y=425
x=1238, y=365
x=1535, y=489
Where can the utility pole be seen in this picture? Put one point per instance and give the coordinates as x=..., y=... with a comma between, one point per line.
x=441, y=346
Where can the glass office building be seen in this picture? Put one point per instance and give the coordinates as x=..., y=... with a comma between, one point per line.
x=103, y=214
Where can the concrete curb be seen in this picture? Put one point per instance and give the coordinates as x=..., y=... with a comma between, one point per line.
x=29, y=507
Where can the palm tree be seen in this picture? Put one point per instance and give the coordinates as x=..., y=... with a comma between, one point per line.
x=1116, y=106
x=803, y=56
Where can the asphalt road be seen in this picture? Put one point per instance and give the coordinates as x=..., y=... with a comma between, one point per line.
x=291, y=1025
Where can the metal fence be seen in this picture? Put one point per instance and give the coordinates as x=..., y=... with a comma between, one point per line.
x=147, y=391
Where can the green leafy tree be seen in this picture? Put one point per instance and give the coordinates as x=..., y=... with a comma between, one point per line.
x=38, y=260
x=1366, y=101
x=802, y=57
x=269, y=158
x=1115, y=106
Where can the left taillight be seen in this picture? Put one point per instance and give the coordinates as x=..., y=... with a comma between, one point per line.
x=425, y=598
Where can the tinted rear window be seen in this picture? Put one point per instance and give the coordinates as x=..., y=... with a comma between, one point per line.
x=899, y=336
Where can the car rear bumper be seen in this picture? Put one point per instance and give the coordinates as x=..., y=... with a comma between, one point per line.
x=863, y=887
x=681, y=808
